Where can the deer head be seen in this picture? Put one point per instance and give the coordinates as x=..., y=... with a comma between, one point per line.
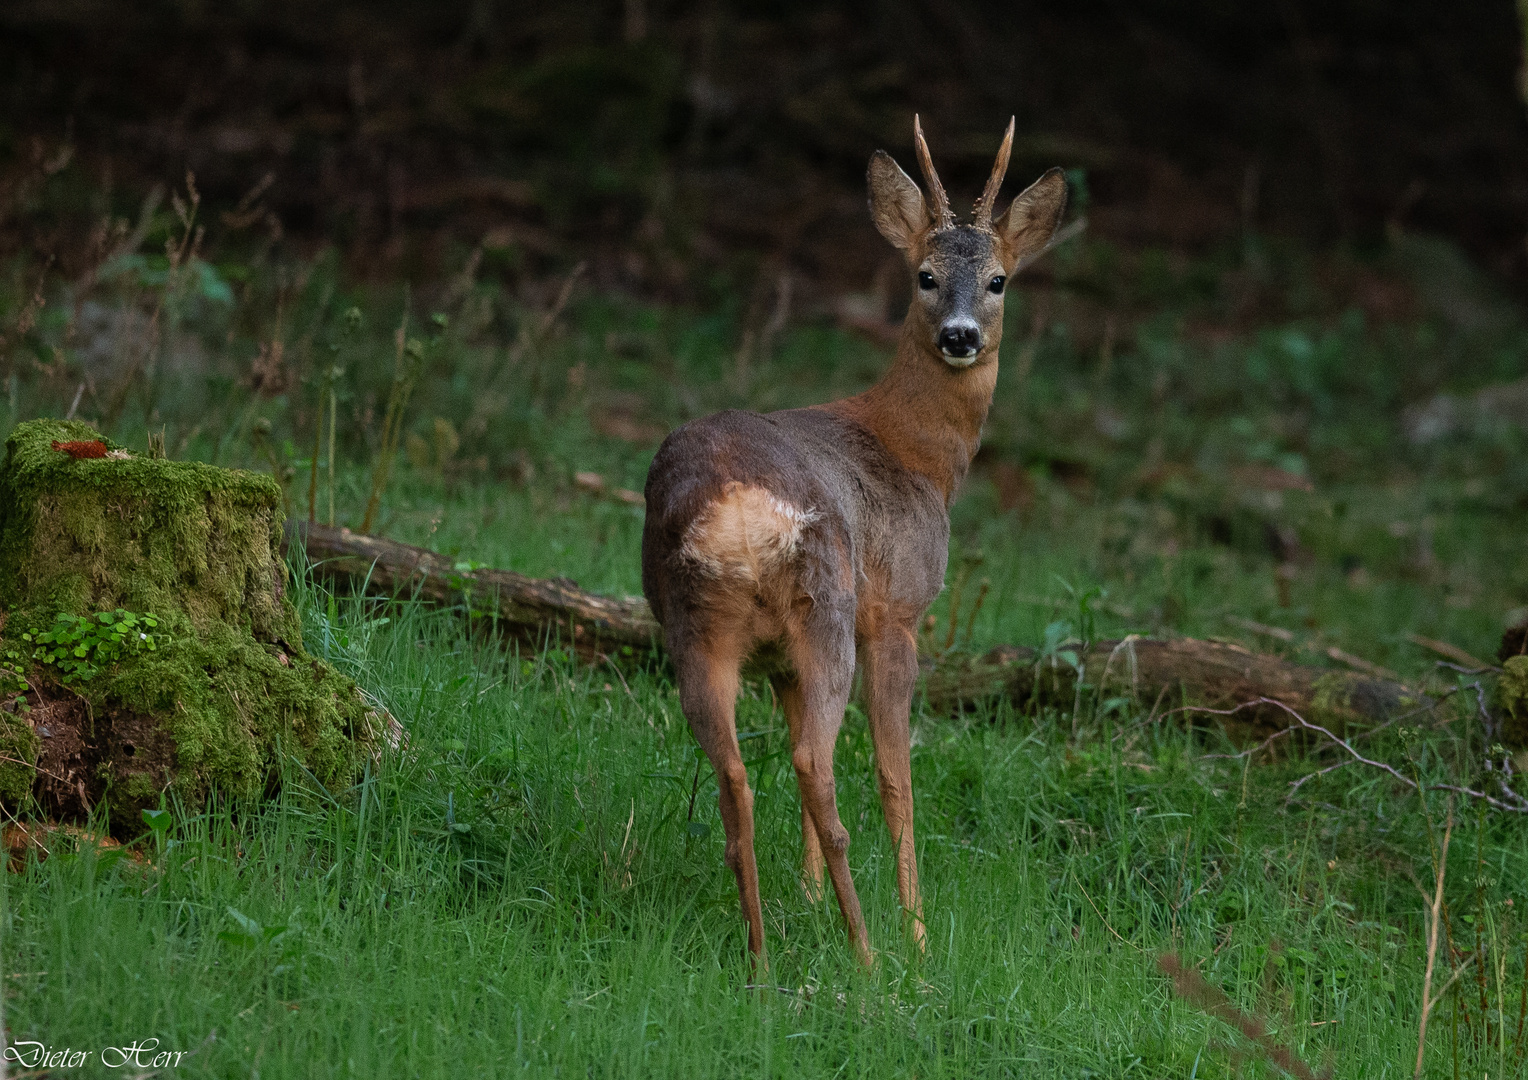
x=960, y=271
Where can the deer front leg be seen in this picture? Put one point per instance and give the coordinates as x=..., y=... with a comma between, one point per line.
x=708, y=686
x=788, y=690
x=891, y=672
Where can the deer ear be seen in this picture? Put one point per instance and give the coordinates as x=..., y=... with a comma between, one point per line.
x=1030, y=222
x=896, y=204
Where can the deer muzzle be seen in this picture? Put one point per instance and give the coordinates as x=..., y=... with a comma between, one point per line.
x=960, y=340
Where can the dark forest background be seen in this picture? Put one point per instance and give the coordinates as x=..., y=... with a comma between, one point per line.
x=667, y=141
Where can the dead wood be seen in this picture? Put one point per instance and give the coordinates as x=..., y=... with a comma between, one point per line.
x=1514, y=642
x=533, y=611
x=1167, y=674
x=1159, y=675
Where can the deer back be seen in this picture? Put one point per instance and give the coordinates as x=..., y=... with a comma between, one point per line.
x=804, y=503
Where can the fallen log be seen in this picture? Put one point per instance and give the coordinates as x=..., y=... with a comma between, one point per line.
x=1511, y=695
x=1168, y=675
x=1155, y=674
x=532, y=611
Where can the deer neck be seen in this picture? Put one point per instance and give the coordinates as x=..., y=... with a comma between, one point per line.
x=928, y=414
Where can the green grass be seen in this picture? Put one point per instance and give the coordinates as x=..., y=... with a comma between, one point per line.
x=526, y=890
x=522, y=891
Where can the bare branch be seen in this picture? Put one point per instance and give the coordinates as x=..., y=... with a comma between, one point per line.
x=1515, y=803
x=1435, y=917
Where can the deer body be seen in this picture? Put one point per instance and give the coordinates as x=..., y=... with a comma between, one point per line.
x=822, y=534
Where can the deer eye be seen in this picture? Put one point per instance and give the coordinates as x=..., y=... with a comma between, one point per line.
x=926, y=280
x=996, y=284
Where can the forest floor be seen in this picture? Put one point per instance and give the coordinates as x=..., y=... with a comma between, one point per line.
x=537, y=885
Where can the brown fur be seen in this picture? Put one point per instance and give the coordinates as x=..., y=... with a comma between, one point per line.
x=823, y=534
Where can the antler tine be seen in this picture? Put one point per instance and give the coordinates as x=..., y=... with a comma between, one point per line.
x=982, y=215
x=943, y=218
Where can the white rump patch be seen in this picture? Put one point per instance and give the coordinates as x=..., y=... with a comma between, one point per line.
x=745, y=532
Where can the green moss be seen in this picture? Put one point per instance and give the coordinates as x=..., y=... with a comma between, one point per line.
x=1331, y=703
x=232, y=706
x=230, y=685
x=1512, y=701
x=138, y=533
x=1341, y=698
x=18, y=758
x=138, y=791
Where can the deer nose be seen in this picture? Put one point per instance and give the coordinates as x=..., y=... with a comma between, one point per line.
x=960, y=338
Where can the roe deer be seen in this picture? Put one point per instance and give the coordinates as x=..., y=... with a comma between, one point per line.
x=822, y=533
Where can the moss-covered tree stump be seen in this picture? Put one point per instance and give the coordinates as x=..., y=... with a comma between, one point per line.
x=227, y=693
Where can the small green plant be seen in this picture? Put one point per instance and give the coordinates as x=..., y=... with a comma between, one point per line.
x=1087, y=599
x=408, y=365
x=329, y=378
x=1061, y=643
x=271, y=943
x=159, y=822
x=77, y=645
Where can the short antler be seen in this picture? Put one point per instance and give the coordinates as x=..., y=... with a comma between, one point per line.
x=982, y=214
x=943, y=218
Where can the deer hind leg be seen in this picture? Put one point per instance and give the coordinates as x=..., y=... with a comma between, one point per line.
x=822, y=651
x=788, y=690
x=708, y=685
x=891, y=670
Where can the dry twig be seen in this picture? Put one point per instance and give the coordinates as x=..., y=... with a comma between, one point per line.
x=1434, y=918
x=1192, y=987
x=1450, y=650
x=1514, y=802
